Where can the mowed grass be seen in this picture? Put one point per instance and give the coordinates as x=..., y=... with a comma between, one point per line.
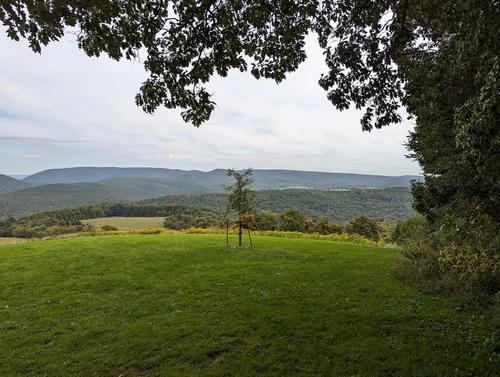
x=185, y=305
x=127, y=222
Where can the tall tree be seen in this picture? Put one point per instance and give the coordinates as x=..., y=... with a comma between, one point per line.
x=241, y=198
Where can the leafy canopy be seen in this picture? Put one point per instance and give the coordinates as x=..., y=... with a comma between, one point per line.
x=187, y=42
x=241, y=198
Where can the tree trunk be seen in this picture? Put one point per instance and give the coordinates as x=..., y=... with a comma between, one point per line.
x=240, y=232
x=250, y=238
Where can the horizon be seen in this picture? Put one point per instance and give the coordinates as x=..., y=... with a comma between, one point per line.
x=12, y=175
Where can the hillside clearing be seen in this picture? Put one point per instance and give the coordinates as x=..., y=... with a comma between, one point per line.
x=11, y=240
x=187, y=305
x=126, y=222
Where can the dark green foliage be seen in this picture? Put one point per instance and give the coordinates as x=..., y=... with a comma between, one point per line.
x=338, y=206
x=453, y=86
x=266, y=220
x=364, y=226
x=292, y=220
x=412, y=229
x=324, y=226
x=455, y=258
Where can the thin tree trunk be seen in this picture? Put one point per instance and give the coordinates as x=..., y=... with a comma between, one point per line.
x=227, y=232
x=240, y=232
x=250, y=238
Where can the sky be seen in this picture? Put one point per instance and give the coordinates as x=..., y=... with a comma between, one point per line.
x=64, y=109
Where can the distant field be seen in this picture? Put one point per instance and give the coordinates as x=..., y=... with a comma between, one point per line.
x=127, y=222
x=186, y=305
x=9, y=241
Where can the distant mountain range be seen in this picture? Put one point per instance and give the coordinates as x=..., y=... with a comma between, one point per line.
x=60, y=188
x=264, y=179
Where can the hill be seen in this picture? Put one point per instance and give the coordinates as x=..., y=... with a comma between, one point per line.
x=9, y=184
x=55, y=196
x=49, y=197
x=390, y=203
x=186, y=305
x=213, y=180
x=97, y=174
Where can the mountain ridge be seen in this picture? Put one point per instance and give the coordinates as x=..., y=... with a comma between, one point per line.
x=105, y=185
x=9, y=184
x=263, y=178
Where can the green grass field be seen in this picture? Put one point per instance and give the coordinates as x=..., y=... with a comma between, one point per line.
x=185, y=305
x=127, y=222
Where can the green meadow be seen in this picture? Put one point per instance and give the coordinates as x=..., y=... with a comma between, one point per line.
x=127, y=222
x=186, y=305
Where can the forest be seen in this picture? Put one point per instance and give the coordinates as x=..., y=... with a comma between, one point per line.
x=180, y=216
x=390, y=203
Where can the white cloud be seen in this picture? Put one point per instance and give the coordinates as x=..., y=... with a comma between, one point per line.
x=70, y=110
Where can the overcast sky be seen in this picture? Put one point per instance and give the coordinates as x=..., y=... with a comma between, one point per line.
x=63, y=109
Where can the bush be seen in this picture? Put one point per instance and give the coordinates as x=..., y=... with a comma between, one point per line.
x=266, y=220
x=88, y=228
x=453, y=259
x=324, y=226
x=364, y=226
x=414, y=228
x=108, y=228
x=149, y=231
x=292, y=220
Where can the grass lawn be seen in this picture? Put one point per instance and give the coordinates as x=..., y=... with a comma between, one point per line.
x=127, y=222
x=185, y=305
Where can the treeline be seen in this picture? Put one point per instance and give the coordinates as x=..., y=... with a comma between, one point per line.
x=293, y=220
x=72, y=220
x=68, y=220
x=389, y=203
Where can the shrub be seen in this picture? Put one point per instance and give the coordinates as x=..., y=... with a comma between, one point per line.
x=194, y=230
x=364, y=226
x=413, y=228
x=266, y=220
x=344, y=237
x=292, y=220
x=324, y=226
x=149, y=231
x=88, y=228
x=108, y=228
x=456, y=258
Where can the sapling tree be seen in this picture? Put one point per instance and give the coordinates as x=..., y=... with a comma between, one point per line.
x=241, y=198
